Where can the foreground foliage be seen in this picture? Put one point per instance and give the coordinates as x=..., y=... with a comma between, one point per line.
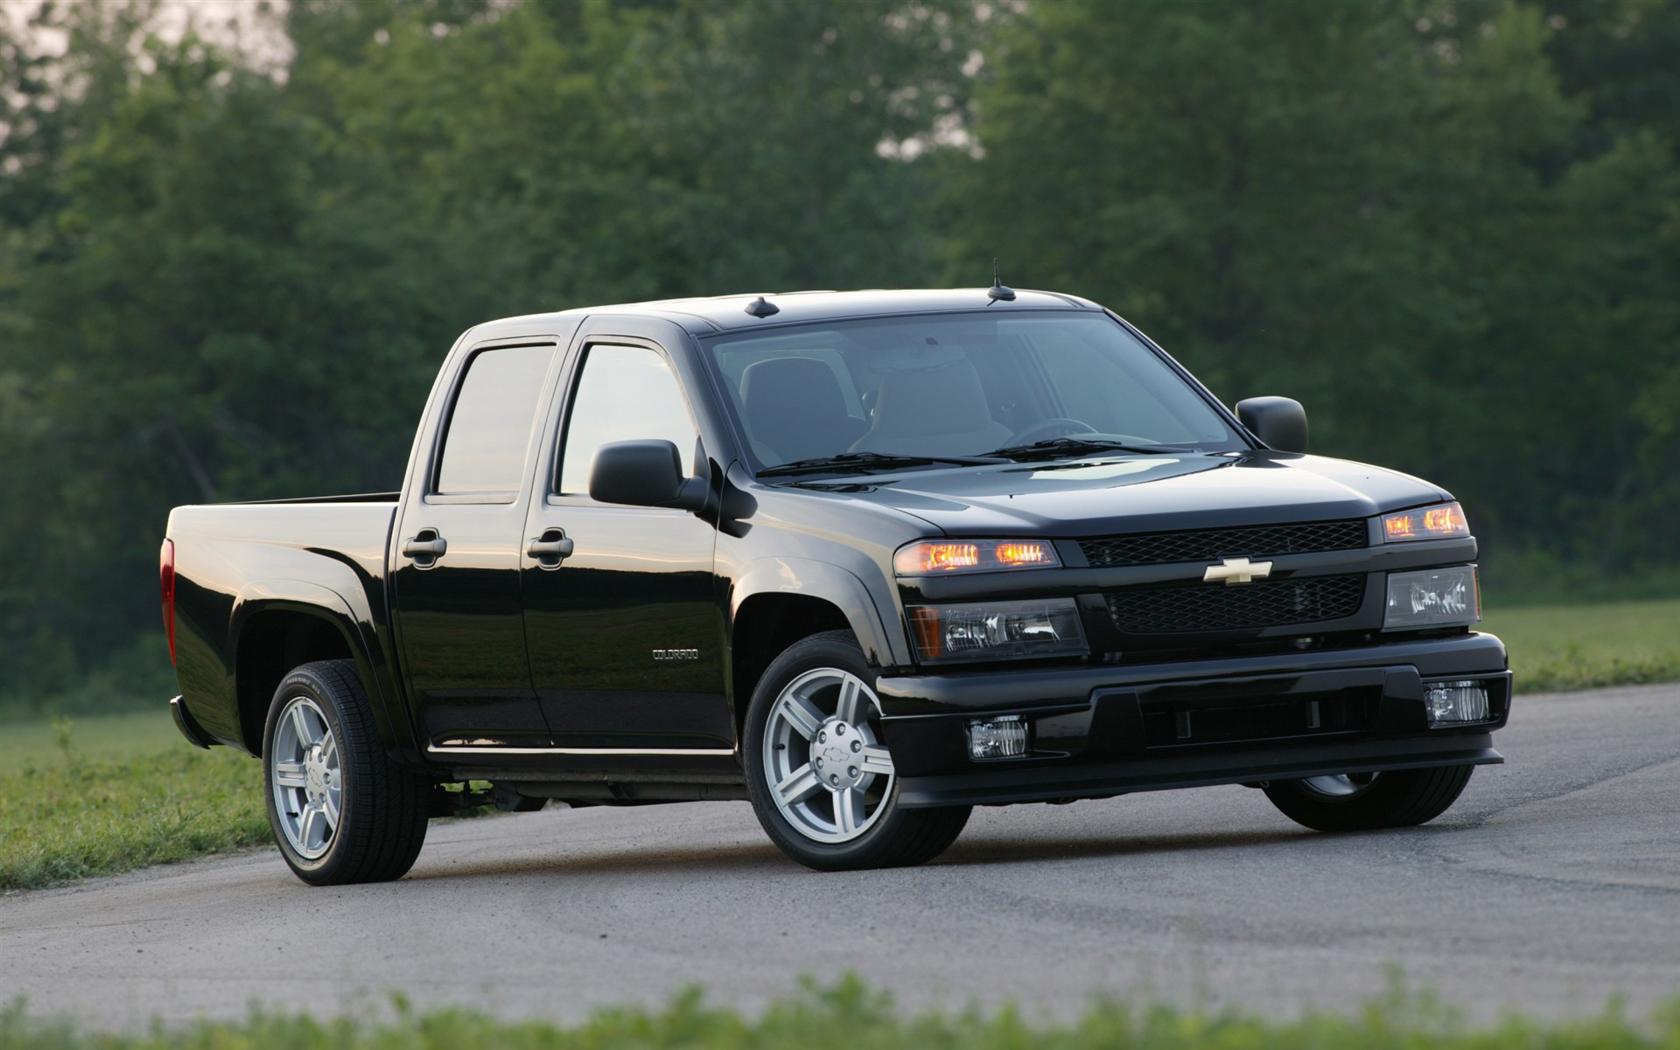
x=65, y=817
x=849, y=1016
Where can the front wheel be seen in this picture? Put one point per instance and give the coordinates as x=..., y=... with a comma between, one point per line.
x=1366, y=801
x=821, y=778
x=341, y=810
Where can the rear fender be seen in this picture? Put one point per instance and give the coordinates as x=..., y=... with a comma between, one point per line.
x=354, y=626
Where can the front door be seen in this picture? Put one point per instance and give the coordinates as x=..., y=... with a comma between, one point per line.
x=624, y=627
x=456, y=558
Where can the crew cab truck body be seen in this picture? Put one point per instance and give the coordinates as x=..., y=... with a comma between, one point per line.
x=866, y=559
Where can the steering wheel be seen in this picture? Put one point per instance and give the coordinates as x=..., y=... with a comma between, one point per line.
x=1047, y=428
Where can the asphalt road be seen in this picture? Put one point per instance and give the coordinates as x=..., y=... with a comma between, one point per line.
x=1552, y=885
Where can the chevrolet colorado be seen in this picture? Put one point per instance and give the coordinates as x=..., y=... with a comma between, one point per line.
x=867, y=559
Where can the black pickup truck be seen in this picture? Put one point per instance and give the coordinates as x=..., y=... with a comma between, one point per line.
x=867, y=559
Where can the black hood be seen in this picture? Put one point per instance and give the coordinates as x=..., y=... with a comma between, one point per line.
x=1144, y=493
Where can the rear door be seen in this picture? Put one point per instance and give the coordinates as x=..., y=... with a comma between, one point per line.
x=625, y=630
x=457, y=550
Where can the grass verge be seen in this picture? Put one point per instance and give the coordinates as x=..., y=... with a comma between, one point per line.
x=1560, y=647
x=57, y=741
x=849, y=1016
x=69, y=817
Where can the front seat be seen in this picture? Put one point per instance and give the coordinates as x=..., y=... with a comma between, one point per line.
x=940, y=411
x=794, y=409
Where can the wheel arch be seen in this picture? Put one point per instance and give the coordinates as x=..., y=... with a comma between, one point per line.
x=273, y=635
x=778, y=602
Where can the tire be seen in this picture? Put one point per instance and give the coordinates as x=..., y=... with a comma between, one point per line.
x=341, y=811
x=1364, y=802
x=835, y=686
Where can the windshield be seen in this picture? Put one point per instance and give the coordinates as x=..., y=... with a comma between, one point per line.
x=914, y=391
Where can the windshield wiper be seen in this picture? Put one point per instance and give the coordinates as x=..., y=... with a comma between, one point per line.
x=863, y=462
x=1051, y=447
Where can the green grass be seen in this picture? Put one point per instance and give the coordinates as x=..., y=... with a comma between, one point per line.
x=63, y=816
x=36, y=741
x=1557, y=647
x=850, y=1017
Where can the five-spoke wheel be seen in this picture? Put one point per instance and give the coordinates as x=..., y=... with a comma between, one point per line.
x=341, y=809
x=832, y=774
x=820, y=771
x=305, y=777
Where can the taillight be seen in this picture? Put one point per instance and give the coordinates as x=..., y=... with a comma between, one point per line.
x=166, y=583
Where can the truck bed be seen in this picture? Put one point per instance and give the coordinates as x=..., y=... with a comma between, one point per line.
x=238, y=561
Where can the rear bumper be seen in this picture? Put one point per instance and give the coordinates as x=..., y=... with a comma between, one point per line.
x=1108, y=730
x=189, y=729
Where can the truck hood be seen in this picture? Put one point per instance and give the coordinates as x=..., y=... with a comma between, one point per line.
x=1128, y=493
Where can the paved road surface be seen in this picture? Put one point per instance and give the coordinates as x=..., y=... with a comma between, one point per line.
x=1553, y=883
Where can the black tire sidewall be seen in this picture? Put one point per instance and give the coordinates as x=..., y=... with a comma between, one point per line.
x=1403, y=798
x=304, y=681
x=837, y=649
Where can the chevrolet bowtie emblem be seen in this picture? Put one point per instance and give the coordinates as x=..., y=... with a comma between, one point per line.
x=1237, y=570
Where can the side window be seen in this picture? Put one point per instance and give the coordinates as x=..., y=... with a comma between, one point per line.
x=626, y=393
x=489, y=426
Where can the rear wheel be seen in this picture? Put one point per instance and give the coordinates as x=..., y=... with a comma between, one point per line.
x=341, y=810
x=1365, y=801
x=821, y=779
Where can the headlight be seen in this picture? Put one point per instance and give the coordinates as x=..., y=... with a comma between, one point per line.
x=1433, y=598
x=940, y=557
x=1444, y=521
x=998, y=630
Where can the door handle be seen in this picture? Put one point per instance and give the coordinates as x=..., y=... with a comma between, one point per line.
x=425, y=547
x=551, y=548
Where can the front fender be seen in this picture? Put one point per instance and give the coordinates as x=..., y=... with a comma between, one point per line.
x=839, y=587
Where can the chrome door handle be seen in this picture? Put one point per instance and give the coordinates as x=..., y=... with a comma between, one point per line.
x=425, y=547
x=550, y=549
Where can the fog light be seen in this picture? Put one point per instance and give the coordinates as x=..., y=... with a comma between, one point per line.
x=1456, y=703
x=997, y=738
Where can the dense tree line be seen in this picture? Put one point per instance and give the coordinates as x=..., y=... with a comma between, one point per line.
x=1451, y=227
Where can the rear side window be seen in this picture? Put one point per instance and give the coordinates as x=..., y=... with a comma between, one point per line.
x=626, y=393
x=490, y=424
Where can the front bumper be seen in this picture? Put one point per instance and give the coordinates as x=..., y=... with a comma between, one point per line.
x=1108, y=730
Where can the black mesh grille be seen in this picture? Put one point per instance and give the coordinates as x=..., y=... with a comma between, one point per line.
x=1157, y=548
x=1219, y=607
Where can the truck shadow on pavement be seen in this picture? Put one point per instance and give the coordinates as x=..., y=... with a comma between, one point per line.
x=632, y=860
x=1003, y=851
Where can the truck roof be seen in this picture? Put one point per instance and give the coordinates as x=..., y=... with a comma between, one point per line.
x=722, y=313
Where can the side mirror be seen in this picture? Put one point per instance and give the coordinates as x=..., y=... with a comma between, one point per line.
x=1279, y=422
x=644, y=474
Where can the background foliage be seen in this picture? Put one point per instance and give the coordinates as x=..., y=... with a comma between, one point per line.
x=1451, y=227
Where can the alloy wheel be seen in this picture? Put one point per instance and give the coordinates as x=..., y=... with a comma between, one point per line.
x=829, y=774
x=306, y=779
x=1342, y=785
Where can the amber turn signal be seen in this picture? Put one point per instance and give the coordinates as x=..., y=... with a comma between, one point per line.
x=1440, y=522
x=937, y=557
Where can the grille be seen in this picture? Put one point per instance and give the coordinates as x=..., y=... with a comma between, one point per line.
x=1217, y=607
x=1219, y=722
x=1158, y=548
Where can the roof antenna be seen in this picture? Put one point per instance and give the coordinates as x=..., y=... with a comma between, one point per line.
x=999, y=290
x=762, y=307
